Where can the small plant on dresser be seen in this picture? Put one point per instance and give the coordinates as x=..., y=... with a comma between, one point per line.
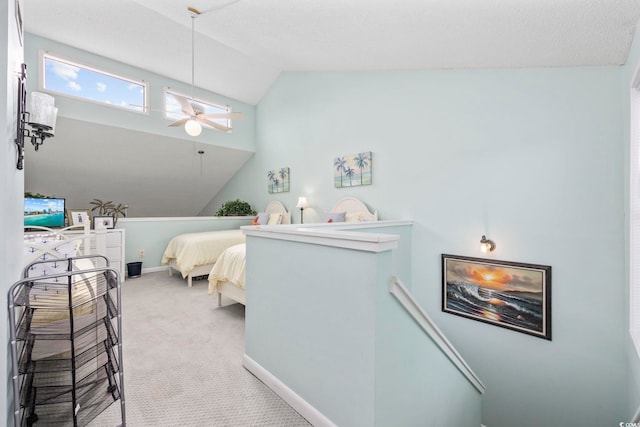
x=109, y=209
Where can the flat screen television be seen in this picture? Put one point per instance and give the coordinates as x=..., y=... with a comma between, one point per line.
x=44, y=212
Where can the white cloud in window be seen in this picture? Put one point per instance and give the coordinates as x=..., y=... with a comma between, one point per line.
x=65, y=71
x=133, y=86
x=74, y=86
x=101, y=87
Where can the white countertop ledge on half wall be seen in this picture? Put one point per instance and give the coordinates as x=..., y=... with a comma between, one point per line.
x=182, y=218
x=337, y=235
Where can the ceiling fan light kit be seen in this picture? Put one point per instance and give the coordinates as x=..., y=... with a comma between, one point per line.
x=194, y=112
x=192, y=127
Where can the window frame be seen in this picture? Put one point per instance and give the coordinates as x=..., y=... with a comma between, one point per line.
x=227, y=108
x=41, y=83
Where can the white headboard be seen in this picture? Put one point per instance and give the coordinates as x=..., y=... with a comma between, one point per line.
x=277, y=207
x=353, y=205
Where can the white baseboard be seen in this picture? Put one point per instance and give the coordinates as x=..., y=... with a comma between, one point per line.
x=154, y=269
x=301, y=406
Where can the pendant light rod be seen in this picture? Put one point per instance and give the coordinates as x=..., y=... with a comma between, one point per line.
x=194, y=14
x=193, y=56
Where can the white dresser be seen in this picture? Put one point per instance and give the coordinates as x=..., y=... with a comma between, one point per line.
x=113, y=244
x=114, y=250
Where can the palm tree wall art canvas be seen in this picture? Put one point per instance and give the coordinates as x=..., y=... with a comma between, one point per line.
x=278, y=180
x=352, y=170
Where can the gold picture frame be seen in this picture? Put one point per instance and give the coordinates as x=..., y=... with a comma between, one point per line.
x=79, y=217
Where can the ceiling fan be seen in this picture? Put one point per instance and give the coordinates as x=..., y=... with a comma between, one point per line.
x=195, y=112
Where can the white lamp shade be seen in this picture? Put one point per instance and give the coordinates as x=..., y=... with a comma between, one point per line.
x=42, y=111
x=192, y=127
x=51, y=121
x=302, y=203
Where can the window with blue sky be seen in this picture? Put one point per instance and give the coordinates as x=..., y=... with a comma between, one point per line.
x=72, y=79
x=174, y=111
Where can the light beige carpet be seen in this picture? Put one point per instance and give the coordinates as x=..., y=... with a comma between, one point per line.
x=183, y=361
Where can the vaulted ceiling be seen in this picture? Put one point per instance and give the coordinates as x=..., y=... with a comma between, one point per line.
x=243, y=45
x=154, y=175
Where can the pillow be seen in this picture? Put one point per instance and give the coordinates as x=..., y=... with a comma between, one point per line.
x=354, y=217
x=255, y=221
x=274, y=219
x=262, y=218
x=335, y=217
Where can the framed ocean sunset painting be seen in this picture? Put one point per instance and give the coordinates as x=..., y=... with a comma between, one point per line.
x=511, y=295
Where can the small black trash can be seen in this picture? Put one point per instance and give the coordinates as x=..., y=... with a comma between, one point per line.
x=134, y=269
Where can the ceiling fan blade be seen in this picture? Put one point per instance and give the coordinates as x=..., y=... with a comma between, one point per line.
x=187, y=108
x=234, y=116
x=212, y=124
x=179, y=122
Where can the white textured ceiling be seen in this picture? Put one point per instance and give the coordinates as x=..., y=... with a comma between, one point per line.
x=243, y=45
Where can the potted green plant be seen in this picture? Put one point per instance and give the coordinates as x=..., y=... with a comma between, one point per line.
x=116, y=211
x=235, y=208
x=35, y=196
x=109, y=208
x=102, y=207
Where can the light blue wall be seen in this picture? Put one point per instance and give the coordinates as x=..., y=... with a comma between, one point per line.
x=322, y=320
x=401, y=256
x=153, y=234
x=416, y=384
x=242, y=137
x=533, y=158
x=633, y=62
x=323, y=349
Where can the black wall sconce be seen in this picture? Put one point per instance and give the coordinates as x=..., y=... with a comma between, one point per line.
x=486, y=245
x=41, y=120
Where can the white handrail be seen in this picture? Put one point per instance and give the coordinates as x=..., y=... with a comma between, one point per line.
x=407, y=301
x=636, y=416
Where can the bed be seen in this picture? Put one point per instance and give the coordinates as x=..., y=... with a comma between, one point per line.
x=194, y=254
x=228, y=275
x=354, y=209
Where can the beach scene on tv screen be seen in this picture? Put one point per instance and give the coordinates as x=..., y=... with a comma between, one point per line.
x=44, y=212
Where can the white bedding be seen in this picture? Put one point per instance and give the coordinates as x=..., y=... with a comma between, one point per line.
x=230, y=267
x=228, y=275
x=187, y=251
